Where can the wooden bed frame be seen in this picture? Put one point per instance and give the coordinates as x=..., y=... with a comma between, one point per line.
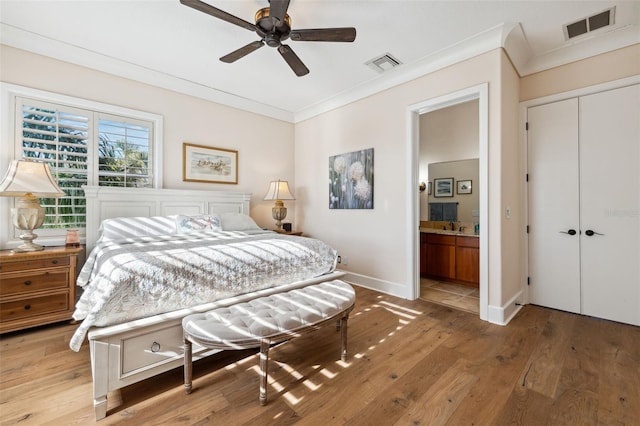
x=126, y=353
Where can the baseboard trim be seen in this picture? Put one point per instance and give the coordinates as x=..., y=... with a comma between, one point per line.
x=501, y=315
x=388, y=287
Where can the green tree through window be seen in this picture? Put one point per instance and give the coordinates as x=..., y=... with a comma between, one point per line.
x=84, y=148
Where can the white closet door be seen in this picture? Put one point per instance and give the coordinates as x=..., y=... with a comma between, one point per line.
x=610, y=204
x=553, y=191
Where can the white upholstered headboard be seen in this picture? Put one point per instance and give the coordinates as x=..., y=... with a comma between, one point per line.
x=107, y=202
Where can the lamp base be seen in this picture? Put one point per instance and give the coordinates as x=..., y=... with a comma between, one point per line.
x=28, y=245
x=27, y=216
x=279, y=212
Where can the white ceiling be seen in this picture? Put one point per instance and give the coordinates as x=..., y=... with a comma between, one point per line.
x=165, y=43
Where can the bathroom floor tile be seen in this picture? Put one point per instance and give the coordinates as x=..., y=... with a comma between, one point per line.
x=453, y=295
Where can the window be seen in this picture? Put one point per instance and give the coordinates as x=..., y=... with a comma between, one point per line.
x=84, y=143
x=60, y=138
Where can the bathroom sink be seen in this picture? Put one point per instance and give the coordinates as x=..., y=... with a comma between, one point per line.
x=446, y=232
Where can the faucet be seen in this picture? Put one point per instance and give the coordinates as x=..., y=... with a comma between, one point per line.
x=453, y=226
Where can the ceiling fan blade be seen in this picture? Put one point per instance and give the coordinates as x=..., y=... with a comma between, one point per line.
x=242, y=52
x=347, y=34
x=292, y=59
x=220, y=14
x=277, y=11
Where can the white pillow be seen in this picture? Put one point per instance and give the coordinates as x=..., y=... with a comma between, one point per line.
x=126, y=227
x=205, y=222
x=237, y=222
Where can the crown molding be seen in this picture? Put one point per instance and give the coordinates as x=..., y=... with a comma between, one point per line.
x=509, y=36
x=585, y=47
x=28, y=41
x=466, y=49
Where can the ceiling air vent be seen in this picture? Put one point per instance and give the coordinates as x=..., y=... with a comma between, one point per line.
x=590, y=23
x=383, y=63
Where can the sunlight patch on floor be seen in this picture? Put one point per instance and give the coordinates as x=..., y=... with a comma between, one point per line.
x=404, y=317
x=328, y=374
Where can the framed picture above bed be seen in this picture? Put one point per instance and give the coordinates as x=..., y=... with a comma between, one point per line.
x=351, y=180
x=202, y=163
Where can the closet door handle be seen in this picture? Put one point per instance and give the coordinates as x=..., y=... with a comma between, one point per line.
x=570, y=232
x=591, y=233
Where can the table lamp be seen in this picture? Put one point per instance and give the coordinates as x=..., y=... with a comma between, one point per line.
x=278, y=191
x=28, y=181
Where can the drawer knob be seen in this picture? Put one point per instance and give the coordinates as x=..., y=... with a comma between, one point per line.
x=27, y=282
x=27, y=307
x=155, y=347
x=54, y=261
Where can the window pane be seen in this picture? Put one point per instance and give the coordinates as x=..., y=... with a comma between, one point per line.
x=123, y=154
x=60, y=139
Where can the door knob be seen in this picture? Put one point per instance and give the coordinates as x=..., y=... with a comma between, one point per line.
x=570, y=232
x=591, y=233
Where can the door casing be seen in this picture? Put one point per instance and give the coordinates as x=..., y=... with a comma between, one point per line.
x=480, y=92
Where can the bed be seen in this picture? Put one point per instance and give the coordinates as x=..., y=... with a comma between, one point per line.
x=185, y=240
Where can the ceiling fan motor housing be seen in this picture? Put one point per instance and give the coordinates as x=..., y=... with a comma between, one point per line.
x=272, y=32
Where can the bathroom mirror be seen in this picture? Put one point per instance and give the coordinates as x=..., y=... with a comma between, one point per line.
x=454, y=184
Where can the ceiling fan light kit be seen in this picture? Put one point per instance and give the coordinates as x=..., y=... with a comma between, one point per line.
x=273, y=26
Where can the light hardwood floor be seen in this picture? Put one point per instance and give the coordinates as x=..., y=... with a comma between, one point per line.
x=411, y=362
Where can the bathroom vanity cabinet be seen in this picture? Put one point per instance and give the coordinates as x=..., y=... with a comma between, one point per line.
x=450, y=257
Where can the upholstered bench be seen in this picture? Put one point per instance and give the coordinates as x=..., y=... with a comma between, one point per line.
x=268, y=320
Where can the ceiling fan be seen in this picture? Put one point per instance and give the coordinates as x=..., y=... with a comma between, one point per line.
x=273, y=25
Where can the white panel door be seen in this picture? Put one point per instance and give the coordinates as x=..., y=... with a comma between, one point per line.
x=553, y=191
x=610, y=204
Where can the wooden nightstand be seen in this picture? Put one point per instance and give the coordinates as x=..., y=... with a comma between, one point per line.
x=37, y=287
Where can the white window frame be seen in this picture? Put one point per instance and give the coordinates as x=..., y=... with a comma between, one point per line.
x=11, y=146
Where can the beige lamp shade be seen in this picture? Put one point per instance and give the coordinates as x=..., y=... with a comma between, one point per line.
x=28, y=180
x=278, y=191
x=29, y=177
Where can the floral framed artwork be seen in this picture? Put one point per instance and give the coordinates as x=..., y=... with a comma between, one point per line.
x=351, y=180
x=202, y=163
x=464, y=187
x=443, y=187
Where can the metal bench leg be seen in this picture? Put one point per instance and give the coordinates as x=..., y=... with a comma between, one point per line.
x=264, y=370
x=343, y=335
x=187, y=366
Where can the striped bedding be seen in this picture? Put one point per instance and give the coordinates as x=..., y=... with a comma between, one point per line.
x=144, y=276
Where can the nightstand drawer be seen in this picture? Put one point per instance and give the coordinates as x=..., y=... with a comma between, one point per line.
x=34, y=264
x=37, y=287
x=43, y=280
x=34, y=306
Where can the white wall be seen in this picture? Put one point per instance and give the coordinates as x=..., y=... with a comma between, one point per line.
x=375, y=241
x=512, y=181
x=265, y=145
x=447, y=134
x=614, y=65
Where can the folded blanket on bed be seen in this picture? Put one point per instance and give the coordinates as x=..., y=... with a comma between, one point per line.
x=144, y=276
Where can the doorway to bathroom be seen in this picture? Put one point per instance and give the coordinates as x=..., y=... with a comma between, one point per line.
x=451, y=210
